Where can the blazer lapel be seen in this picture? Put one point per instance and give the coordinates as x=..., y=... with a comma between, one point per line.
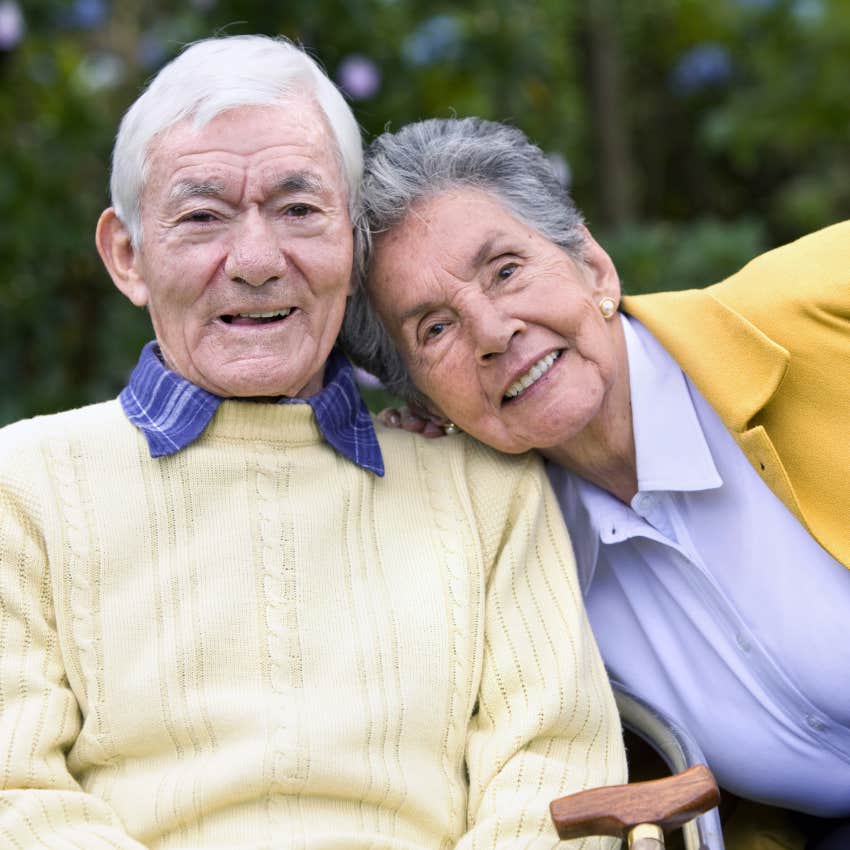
x=733, y=364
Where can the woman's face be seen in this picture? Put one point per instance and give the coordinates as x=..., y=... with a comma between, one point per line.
x=498, y=326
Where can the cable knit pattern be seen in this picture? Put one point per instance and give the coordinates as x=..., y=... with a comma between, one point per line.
x=254, y=644
x=455, y=566
x=279, y=577
x=79, y=564
x=275, y=538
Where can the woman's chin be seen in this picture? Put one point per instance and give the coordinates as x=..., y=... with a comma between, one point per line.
x=518, y=440
x=545, y=429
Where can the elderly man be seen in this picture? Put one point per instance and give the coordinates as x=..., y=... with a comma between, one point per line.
x=221, y=624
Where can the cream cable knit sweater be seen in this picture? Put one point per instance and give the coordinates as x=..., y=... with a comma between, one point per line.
x=255, y=644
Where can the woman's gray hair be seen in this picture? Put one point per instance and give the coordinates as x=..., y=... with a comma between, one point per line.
x=208, y=78
x=404, y=169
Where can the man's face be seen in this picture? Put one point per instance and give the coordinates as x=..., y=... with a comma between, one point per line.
x=246, y=253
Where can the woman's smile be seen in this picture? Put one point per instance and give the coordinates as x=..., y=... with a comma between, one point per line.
x=524, y=383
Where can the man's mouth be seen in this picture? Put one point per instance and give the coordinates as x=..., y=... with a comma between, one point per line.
x=265, y=317
x=532, y=376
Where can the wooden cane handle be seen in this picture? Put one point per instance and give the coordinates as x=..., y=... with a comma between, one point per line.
x=616, y=809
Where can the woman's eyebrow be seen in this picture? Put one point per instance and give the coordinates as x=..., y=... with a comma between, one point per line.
x=417, y=310
x=483, y=253
x=478, y=259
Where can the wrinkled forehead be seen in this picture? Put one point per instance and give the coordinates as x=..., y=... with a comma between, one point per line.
x=452, y=224
x=296, y=125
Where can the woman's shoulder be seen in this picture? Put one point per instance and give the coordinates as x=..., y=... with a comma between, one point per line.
x=797, y=295
x=812, y=270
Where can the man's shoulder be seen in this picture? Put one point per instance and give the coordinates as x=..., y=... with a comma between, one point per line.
x=493, y=484
x=465, y=483
x=93, y=422
x=404, y=451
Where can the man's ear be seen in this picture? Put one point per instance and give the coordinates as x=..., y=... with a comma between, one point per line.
x=353, y=284
x=602, y=273
x=119, y=256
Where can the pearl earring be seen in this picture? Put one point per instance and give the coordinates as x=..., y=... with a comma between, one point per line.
x=607, y=306
x=451, y=428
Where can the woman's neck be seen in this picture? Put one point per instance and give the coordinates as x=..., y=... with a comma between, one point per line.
x=605, y=460
x=603, y=452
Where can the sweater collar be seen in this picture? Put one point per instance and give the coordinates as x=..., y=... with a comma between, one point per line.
x=172, y=412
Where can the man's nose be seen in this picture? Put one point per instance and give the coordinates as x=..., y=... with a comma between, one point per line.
x=493, y=330
x=255, y=256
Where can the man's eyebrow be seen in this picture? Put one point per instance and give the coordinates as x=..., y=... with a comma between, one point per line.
x=299, y=181
x=186, y=189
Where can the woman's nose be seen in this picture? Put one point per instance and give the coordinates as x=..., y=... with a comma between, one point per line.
x=256, y=255
x=493, y=331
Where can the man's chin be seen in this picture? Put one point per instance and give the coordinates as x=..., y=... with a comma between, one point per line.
x=263, y=386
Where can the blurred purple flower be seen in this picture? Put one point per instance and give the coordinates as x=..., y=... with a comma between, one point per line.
x=367, y=379
x=701, y=67
x=436, y=40
x=150, y=50
x=12, y=24
x=358, y=76
x=87, y=14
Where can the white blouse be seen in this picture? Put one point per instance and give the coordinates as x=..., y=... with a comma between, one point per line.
x=710, y=599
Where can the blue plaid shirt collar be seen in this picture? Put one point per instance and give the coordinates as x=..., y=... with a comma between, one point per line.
x=172, y=412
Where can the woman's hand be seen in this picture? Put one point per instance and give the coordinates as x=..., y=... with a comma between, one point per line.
x=415, y=419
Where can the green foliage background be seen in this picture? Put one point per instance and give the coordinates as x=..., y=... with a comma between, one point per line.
x=697, y=134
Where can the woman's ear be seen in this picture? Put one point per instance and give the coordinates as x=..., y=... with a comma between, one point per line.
x=600, y=268
x=116, y=249
x=434, y=422
x=428, y=411
x=417, y=419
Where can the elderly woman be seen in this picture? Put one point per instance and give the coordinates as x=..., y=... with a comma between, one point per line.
x=697, y=441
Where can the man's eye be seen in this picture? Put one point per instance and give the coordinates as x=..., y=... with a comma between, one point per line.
x=506, y=270
x=199, y=217
x=299, y=210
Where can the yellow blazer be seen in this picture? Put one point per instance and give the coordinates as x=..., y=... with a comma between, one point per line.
x=769, y=348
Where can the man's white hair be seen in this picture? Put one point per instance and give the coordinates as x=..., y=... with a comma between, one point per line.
x=208, y=78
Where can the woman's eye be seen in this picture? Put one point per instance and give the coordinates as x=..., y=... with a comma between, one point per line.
x=506, y=270
x=433, y=331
